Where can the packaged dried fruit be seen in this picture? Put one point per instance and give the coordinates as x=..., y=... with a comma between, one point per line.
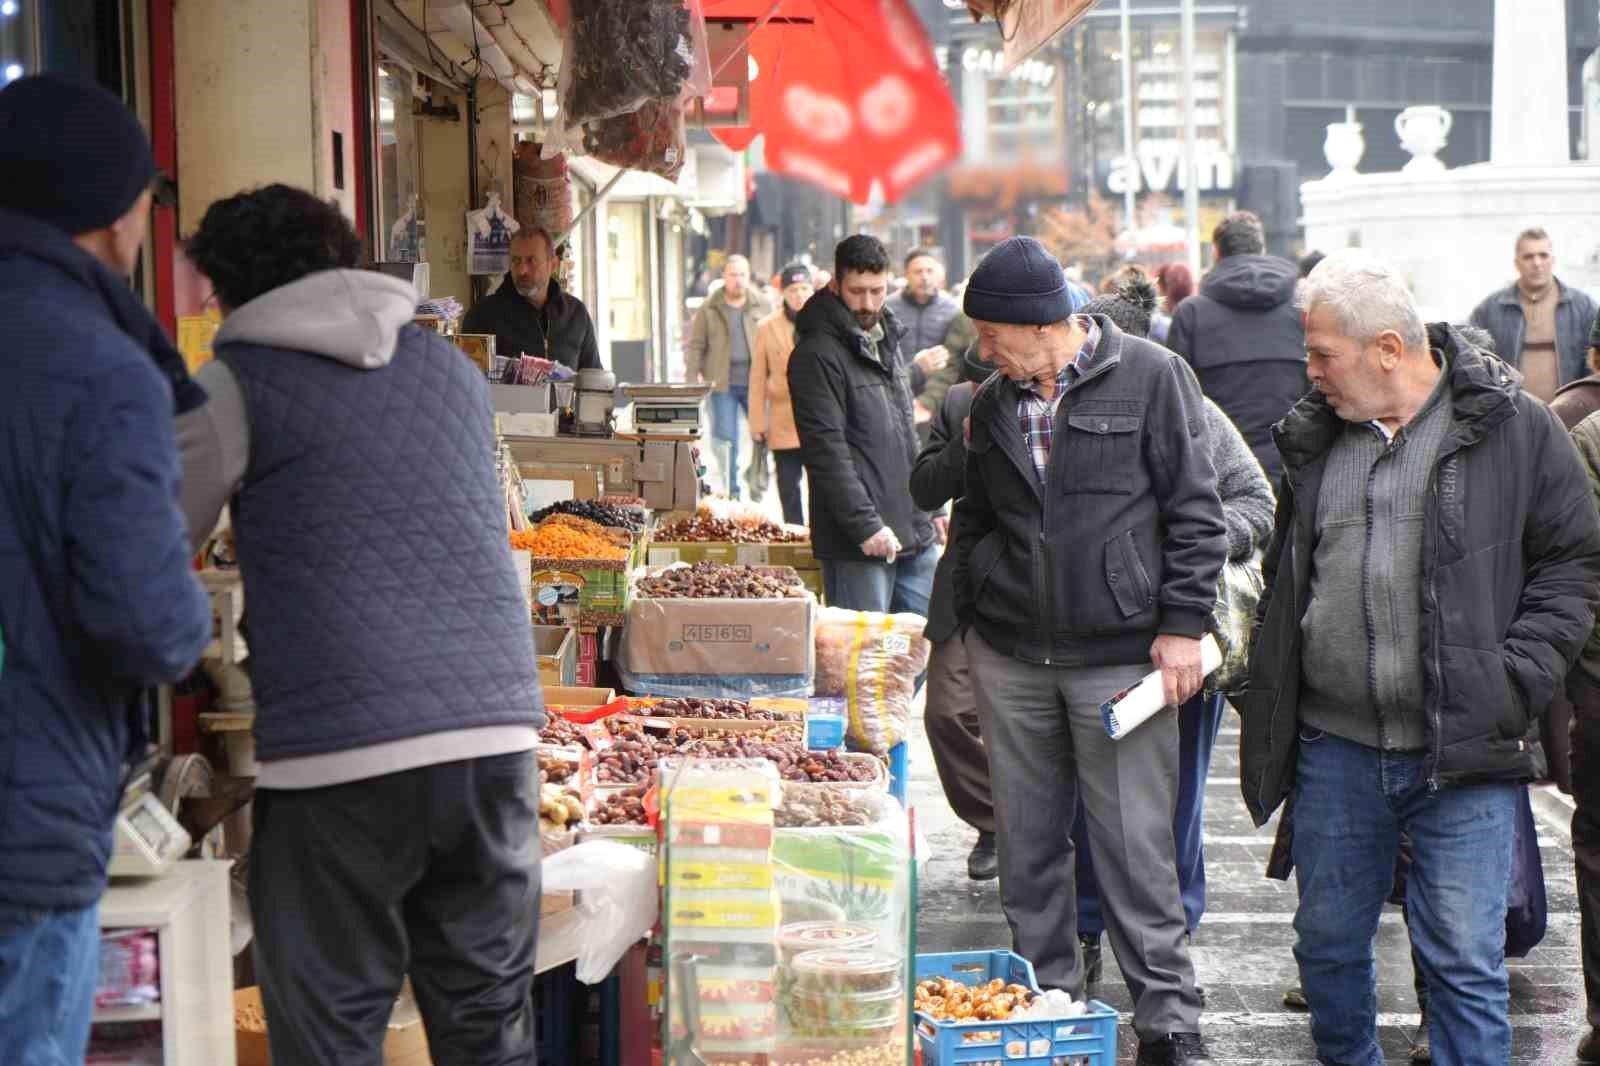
x=841, y=970
x=797, y=938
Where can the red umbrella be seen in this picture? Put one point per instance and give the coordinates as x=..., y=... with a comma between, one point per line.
x=847, y=93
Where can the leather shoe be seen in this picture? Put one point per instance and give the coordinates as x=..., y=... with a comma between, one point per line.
x=1589, y=1047
x=1295, y=997
x=1174, y=1049
x=1091, y=959
x=984, y=862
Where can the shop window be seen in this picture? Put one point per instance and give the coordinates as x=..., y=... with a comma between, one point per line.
x=401, y=216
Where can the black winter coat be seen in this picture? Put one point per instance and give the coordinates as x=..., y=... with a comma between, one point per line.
x=938, y=478
x=1124, y=541
x=561, y=331
x=1511, y=572
x=1243, y=335
x=857, y=435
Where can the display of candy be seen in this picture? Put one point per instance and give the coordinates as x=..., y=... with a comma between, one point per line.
x=722, y=581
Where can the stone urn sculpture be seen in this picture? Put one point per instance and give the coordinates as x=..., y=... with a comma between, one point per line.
x=1343, y=148
x=1423, y=131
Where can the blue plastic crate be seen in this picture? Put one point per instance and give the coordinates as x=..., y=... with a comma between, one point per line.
x=1087, y=1040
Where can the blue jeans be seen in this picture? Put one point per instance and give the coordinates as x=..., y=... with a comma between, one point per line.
x=903, y=585
x=1199, y=720
x=1351, y=805
x=49, y=966
x=725, y=407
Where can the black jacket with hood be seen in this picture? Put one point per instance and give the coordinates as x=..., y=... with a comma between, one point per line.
x=1244, y=337
x=1124, y=540
x=1510, y=575
x=857, y=434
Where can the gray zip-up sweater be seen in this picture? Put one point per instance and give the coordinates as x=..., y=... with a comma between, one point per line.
x=1362, y=666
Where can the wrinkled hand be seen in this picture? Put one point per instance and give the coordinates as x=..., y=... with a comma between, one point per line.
x=1178, y=659
x=932, y=360
x=941, y=528
x=885, y=545
x=920, y=412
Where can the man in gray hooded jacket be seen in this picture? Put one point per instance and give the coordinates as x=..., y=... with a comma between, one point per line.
x=397, y=703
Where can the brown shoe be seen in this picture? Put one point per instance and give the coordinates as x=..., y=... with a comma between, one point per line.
x=1295, y=997
x=1589, y=1047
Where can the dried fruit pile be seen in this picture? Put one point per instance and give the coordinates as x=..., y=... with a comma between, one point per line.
x=703, y=527
x=597, y=511
x=794, y=761
x=561, y=538
x=948, y=1000
x=695, y=707
x=721, y=581
x=621, y=808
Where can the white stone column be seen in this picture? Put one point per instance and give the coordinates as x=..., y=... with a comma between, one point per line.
x=1529, y=118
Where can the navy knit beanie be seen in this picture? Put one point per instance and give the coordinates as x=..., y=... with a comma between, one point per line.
x=71, y=154
x=1020, y=283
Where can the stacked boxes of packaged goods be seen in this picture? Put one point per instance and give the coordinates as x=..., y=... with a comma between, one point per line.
x=701, y=536
x=722, y=909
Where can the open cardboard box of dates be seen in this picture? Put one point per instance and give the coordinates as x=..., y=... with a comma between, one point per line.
x=721, y=637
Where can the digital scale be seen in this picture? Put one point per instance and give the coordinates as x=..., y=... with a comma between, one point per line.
x=146, y=839
x=667, y=410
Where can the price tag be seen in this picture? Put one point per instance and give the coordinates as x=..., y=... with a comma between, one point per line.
x=598, y=736
x=663, y=556
x=751, y=554
x=896, y=644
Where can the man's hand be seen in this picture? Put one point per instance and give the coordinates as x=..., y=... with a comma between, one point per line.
x=941, y=528
x=759, y=436
x=920, y=412
x=1178, y=659
x=885, y=545
x=932, y=360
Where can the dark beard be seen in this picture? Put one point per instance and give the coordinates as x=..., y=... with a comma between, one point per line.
x=866, y=319
x=790, y=313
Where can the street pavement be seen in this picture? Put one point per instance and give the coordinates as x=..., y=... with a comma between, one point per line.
x=1243, y=948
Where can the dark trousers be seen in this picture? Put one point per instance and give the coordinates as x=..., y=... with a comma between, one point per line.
x=790, y=467
x=1199, y=721
x=955, y=737
x=1585, y=695
x=432, y=872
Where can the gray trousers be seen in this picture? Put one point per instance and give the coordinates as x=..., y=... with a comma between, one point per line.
x=1047, y=748
x=955, y=736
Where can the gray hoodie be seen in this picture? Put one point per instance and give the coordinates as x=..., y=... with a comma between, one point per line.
x=351, y=317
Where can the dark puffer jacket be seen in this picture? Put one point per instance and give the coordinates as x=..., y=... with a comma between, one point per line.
x=857, y=434
x=1243, y=335
x=1124, y=541
x=97, y=598
x=1511, y=572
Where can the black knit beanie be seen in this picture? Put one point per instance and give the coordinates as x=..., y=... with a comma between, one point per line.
x=71, y=154
x=1018, y=282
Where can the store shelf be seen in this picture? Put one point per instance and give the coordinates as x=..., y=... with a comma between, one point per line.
x=144, y=1012
x=560, y=938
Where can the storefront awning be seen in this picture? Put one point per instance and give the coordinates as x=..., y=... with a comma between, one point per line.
x=634, y=185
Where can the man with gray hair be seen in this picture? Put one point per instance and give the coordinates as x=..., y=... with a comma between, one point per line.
x=1432, y=576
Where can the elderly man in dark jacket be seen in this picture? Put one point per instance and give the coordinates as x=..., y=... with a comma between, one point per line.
x=1241, y=332
x=1088, y=546
x=97, y=600
x=397, y=702
x=1433, y=574
x=851, y=389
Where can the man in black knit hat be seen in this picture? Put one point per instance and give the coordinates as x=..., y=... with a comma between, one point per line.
x=1088, y=547
x=97, y=601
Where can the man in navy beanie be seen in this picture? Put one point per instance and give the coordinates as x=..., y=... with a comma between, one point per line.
x=97, y=601
x=1088, y=547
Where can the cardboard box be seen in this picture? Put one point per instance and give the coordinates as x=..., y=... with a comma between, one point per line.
x=570, y=592
x=528, y=425
x=557, y=652
x=720, y=637
x=405, y=1044
x=582, y=698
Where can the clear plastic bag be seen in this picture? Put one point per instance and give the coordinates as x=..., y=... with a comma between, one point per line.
x=654, y=138
x=873, y=661
x=617, y=902
x=621, y=53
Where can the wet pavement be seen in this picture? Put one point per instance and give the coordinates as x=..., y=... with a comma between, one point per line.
x=1243, y=949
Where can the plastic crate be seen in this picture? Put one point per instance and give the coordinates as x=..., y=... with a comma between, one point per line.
x=1087, y=1040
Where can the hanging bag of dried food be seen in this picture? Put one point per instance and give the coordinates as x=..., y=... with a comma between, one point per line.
x=620, y=53
x=873, y=661
x=653, y=138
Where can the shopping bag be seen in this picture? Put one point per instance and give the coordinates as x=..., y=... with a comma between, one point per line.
x=1526, y=906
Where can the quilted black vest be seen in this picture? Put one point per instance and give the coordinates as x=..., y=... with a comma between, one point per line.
x=382, y=602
